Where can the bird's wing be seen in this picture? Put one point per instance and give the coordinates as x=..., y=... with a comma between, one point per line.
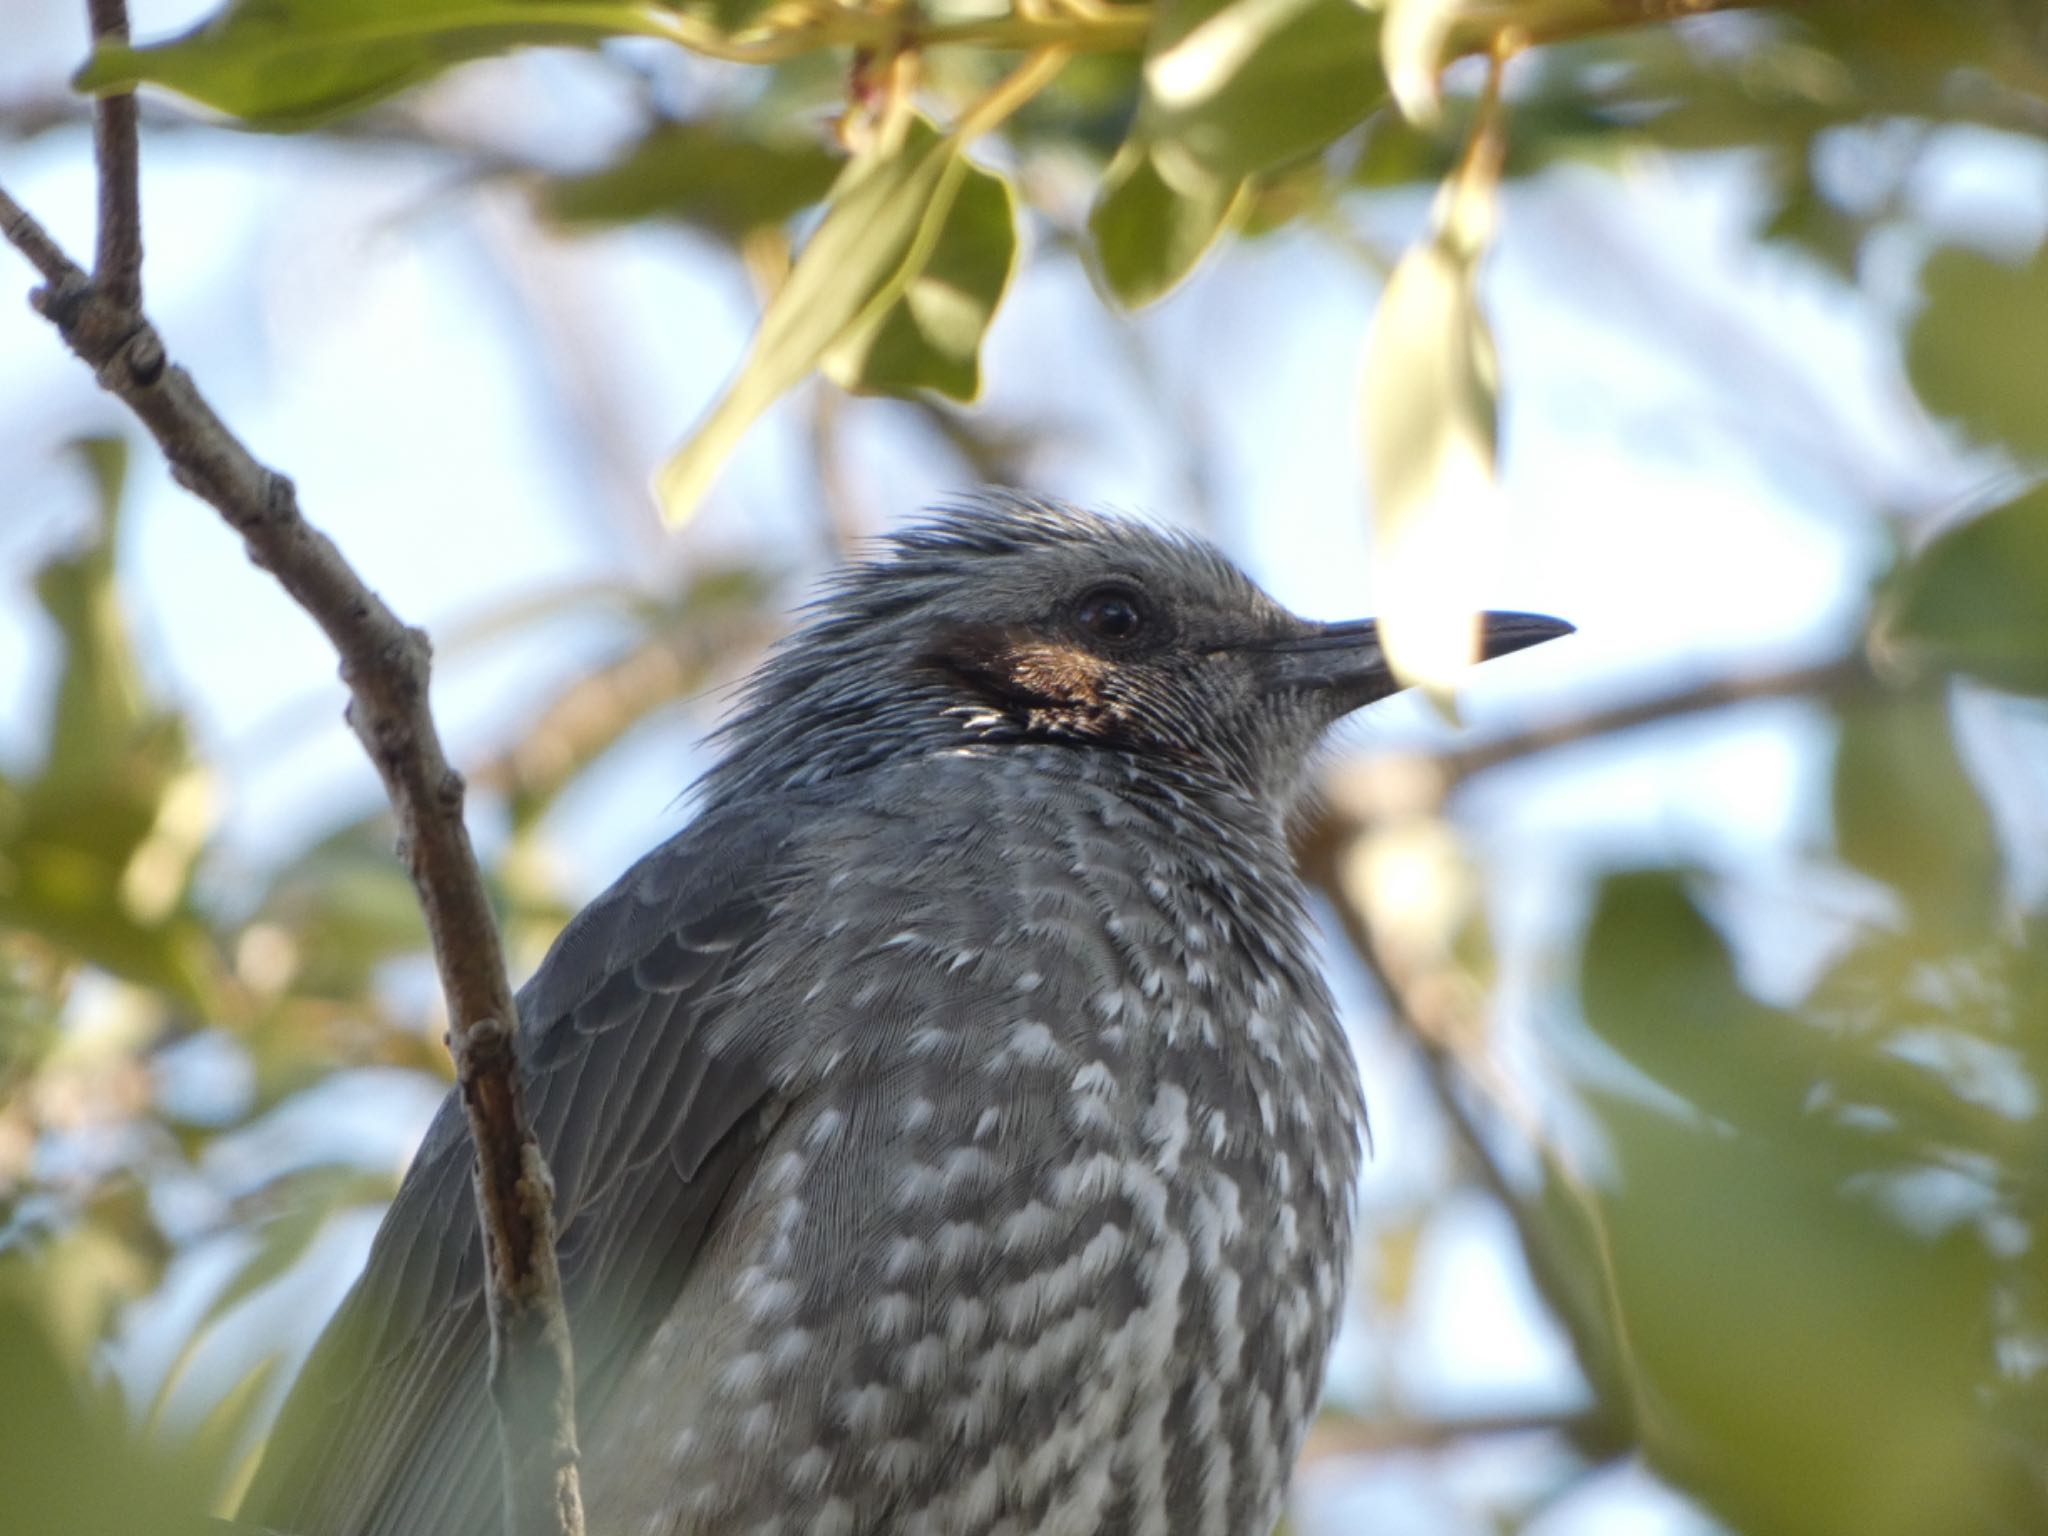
x=646, y=1125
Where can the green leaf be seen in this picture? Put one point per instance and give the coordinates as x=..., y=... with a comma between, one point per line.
x=1907, y=812
x=1976, y=348
x=68, y=1460
x=883, y=223
x=296, y=63
x=1814, y=1365
x=1973, y=600
x=929, y=337
x=1155, y=216
x=1245, y=85
x=712, y=173
x=1658, y=984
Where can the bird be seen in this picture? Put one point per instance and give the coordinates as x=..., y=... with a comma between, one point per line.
x=951, y=1132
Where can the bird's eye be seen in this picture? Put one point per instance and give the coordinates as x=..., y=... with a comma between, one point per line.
x=1111, y=613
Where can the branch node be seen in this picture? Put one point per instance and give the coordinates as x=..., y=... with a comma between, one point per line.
x=146, y=359
x=60, y=300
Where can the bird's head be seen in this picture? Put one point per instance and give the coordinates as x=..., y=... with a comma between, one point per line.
x=1012, y=620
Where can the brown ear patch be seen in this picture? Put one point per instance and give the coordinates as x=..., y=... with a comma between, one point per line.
x=1047, y=683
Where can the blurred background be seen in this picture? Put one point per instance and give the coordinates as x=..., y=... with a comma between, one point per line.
x=1698, y=976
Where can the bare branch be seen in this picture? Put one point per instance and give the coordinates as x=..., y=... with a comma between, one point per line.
x=1429, y=1008
x=1343, y=1434
x=34, y=242
x=117, y=260
x=1828, y=679
x=385, y=665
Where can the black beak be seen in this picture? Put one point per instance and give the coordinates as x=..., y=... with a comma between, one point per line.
x=1347, y=662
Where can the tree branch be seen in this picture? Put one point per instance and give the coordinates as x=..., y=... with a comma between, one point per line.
x=117, y=257
x=1846, y=674
x=385, y=665
x=1429, y=1010
x=1435, y=1005
x=1344, y=1434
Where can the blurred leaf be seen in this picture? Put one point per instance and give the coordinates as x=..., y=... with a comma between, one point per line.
x=1814, y=1364
x=1807, y=218
x=1245, y=85
x=302, y=1202
x=225, y=1431
x=109, y=1253
x=341, y=909
x=1973, y=598
x=1430, y=402
x=1975, y=348
x=1154, y=217
x=929, y=336
x=1412, y=38
x=1934, y=1026
x=1907, y=812
x=881, y=226
x=1658, y=985
x=296, y=63
x=68, y=1463
x=712, y=173
x=97, y=849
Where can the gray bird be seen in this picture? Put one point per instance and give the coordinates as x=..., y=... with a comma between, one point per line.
x=952, y=1135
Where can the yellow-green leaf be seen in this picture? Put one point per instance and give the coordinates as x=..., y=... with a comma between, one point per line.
x=1156, y=214
x=881, y=226
x=929, y=336
x=1245, y=85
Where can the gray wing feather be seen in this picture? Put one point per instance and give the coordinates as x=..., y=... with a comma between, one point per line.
x=646, y=1127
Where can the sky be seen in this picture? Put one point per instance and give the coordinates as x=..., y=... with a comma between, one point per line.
x=1697, y=432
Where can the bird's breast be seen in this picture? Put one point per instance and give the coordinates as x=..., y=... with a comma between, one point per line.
x=1052, y=1240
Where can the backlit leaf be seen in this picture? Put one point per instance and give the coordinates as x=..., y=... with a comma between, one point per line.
x=883, y=223
x=1245, y=85
x=1156, y=214
x=1412, y=39
x=929, y=337
x=1430, y=403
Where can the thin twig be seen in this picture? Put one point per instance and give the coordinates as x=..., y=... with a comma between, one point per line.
x=1433, y=1005
x=117, y=255
x=1427, y=1009
x=1828, y=679
x=385, y=665
x=1343, y=1434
